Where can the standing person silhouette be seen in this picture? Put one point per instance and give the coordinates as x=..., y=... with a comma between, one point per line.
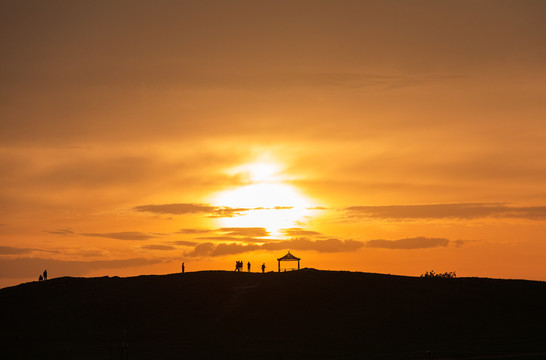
x=248, y=266
x=183, y=268
x=45, y=275
x=263, y=268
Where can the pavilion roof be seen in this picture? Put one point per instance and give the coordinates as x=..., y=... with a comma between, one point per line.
x=289, y=257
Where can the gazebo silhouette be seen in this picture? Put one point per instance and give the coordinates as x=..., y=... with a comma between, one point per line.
x=288, y=257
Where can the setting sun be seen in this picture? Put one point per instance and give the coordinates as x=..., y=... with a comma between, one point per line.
x=270, y=201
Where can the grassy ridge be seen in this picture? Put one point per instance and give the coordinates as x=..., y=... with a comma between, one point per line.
x=305, y=314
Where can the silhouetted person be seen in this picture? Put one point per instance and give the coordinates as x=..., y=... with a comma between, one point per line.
x=248, y=266
x=183, y=268
x=45, y=275
x=263, y=268
x=40, y=278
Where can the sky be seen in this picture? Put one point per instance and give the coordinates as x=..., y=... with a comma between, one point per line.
x=379, y=136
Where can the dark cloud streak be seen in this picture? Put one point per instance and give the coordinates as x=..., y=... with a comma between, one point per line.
x=8, y=250
x=158, y=247
x=191, y=208
x=126, y=235
x=465, y=211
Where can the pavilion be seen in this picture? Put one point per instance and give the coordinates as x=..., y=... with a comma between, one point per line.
x=288, y=257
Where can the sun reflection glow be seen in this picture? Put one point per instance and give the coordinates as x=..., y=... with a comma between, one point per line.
x=272, y=203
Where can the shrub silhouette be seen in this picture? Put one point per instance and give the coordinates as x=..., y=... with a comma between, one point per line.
x=446, y=275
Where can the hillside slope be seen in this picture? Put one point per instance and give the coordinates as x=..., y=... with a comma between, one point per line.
x=306, y=314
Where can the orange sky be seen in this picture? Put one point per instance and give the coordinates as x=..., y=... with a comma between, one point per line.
x=381, y=136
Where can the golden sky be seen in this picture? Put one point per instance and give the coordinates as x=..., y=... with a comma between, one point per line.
x=378, y=136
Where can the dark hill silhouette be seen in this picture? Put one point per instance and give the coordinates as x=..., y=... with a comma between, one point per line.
x=306, y=314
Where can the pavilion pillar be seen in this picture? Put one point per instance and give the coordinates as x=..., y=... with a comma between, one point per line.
x=298, y=264
x=279, y=265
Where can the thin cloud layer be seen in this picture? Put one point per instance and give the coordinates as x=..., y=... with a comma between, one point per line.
x=325, y=246
x=238, y=234
x=245, y=231
x=191, y=208
x=8, y=250
x=126, y=235
x=184, y=243
x=244, y=239
x=298, y=232
x=175, y=209
x=410, y=243
x=66, y=232
x=193, y=231
x=466, y=211
x=158, y=247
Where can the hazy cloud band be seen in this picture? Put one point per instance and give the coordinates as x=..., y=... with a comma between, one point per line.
x=445, y=211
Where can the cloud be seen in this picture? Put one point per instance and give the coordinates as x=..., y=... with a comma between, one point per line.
x=224, y=211
x=325, y=246
x=30, y=267
x=158, y=247
x=191, y=208
x=299, y=232
x=457, y=243
x=442, y=211
x=411, y=243
x=67, y=232
x=184, y=243
x=234, y=238
x=175, y=209
x=239, y=234
x=303, y=244
x=331, y=245
x=90, y=253
x=245, y=231
x=231, y=249
x=193, y=231
x=8, y=250
x=530, y=213
x=204, y=249
x=126, y=235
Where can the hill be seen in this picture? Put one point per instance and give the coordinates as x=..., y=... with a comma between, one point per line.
x=306, y=314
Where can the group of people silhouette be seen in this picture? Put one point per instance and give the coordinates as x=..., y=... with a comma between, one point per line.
x=239, y=266
x=43, y=277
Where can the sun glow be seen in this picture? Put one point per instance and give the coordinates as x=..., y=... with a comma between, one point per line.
x=270, y=201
